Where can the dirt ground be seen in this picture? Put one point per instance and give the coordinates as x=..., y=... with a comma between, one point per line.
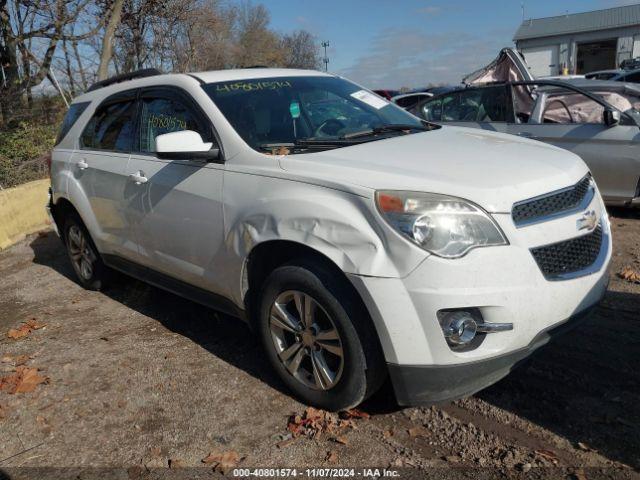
x=140, y=380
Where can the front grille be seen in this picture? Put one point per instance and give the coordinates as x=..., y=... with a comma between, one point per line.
x=569, y=256
x=553, y=203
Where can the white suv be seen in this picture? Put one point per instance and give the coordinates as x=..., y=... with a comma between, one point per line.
x=357, y=240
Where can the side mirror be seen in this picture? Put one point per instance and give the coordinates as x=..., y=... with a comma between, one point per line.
x=611, y=117
x=185, y=145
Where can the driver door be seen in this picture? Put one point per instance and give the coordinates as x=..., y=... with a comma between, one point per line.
x=178, y=213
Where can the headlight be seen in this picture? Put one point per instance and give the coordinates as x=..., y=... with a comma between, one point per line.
x=445, y=226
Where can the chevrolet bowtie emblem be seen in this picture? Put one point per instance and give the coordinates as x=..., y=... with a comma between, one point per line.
x=588, y=221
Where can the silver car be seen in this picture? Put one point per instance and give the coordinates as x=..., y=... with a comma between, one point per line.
x=598, y=120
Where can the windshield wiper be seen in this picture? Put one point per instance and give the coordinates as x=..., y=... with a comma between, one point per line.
x=383, y=129
x=305, y=144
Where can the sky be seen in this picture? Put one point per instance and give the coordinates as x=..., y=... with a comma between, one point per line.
x=411, y=43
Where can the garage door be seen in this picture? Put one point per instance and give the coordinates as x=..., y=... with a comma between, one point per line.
x=542, y=61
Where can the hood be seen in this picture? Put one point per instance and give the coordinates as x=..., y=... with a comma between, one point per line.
x=509, y=66
x=491, y=169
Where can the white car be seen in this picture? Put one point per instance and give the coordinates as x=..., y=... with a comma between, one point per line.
x=358, y=241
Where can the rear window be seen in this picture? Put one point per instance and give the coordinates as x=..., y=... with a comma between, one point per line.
x=111, y=128
x=70, y=119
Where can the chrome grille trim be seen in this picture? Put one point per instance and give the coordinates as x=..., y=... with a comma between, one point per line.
x=556, y=204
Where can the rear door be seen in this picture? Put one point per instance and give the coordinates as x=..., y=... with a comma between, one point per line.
x=571, y=120
x=100, y=168
x=178, y=209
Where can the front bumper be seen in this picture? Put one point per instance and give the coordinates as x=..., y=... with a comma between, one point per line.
x=420, y=385
x=504, y=284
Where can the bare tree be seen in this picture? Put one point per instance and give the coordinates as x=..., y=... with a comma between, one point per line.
x=301, y=50
x=33, y=30
x=256, y=43
x=107, y=40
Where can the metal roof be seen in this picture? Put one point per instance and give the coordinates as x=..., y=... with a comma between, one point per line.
x=579, y=22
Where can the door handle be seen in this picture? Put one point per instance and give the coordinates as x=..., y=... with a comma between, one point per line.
x=139, y=178
x=82, y=164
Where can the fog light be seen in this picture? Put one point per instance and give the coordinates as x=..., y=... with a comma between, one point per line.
x=459, y=328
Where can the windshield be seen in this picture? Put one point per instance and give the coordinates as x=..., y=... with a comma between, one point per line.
x=268, y=112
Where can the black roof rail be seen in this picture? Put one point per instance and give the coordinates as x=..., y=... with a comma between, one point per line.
x=123, y=77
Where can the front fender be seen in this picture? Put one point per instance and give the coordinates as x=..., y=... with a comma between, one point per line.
x=342, y=226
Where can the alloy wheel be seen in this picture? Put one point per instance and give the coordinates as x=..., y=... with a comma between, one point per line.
x=81, y=252
x=306, y=340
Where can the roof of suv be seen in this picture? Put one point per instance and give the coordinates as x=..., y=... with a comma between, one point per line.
x=248, y=73
x=205, y=77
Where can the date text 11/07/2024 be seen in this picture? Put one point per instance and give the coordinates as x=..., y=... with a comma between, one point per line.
x=368, y=473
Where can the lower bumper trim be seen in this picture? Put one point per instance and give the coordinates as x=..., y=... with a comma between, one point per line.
x=420, y=385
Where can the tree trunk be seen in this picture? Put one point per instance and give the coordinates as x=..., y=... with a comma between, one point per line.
x=67, y=60
x=10, y=87
x=107, y=41
x=83, y=75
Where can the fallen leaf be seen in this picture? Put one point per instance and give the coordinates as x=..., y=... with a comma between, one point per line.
x=416, y=432
x=332, y=457
x=354, y=413
x=23, y=380
x=629, y=274
x=285, y=443
x=387, y=433
x=34, y=325
x=3, y=413
x=175, y=463
x=548, y=455
x=25, y=329
x=341, y=440
x=222, y=461
x=16, y=360
x=20, y=332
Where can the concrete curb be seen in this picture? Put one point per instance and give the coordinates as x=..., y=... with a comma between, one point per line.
x=22, y=211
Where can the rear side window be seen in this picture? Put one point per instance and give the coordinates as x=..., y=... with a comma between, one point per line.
x=70, y=119
x=111, y=128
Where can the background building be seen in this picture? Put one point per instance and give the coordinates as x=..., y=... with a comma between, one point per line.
x=581, y=42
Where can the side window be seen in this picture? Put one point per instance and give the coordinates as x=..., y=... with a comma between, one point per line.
x=450, y=111
x=70, y=119
x=566, y=106
x=432, y=110
x=487, y=104
x=110, y=128
x=164, y=115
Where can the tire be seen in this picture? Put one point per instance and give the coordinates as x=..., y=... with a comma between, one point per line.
x=334, y=364
x=85, y=259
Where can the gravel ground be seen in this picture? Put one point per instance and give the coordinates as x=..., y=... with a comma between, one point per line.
x=140, y=380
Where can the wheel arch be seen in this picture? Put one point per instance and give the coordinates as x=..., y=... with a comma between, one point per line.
x=269, y=255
